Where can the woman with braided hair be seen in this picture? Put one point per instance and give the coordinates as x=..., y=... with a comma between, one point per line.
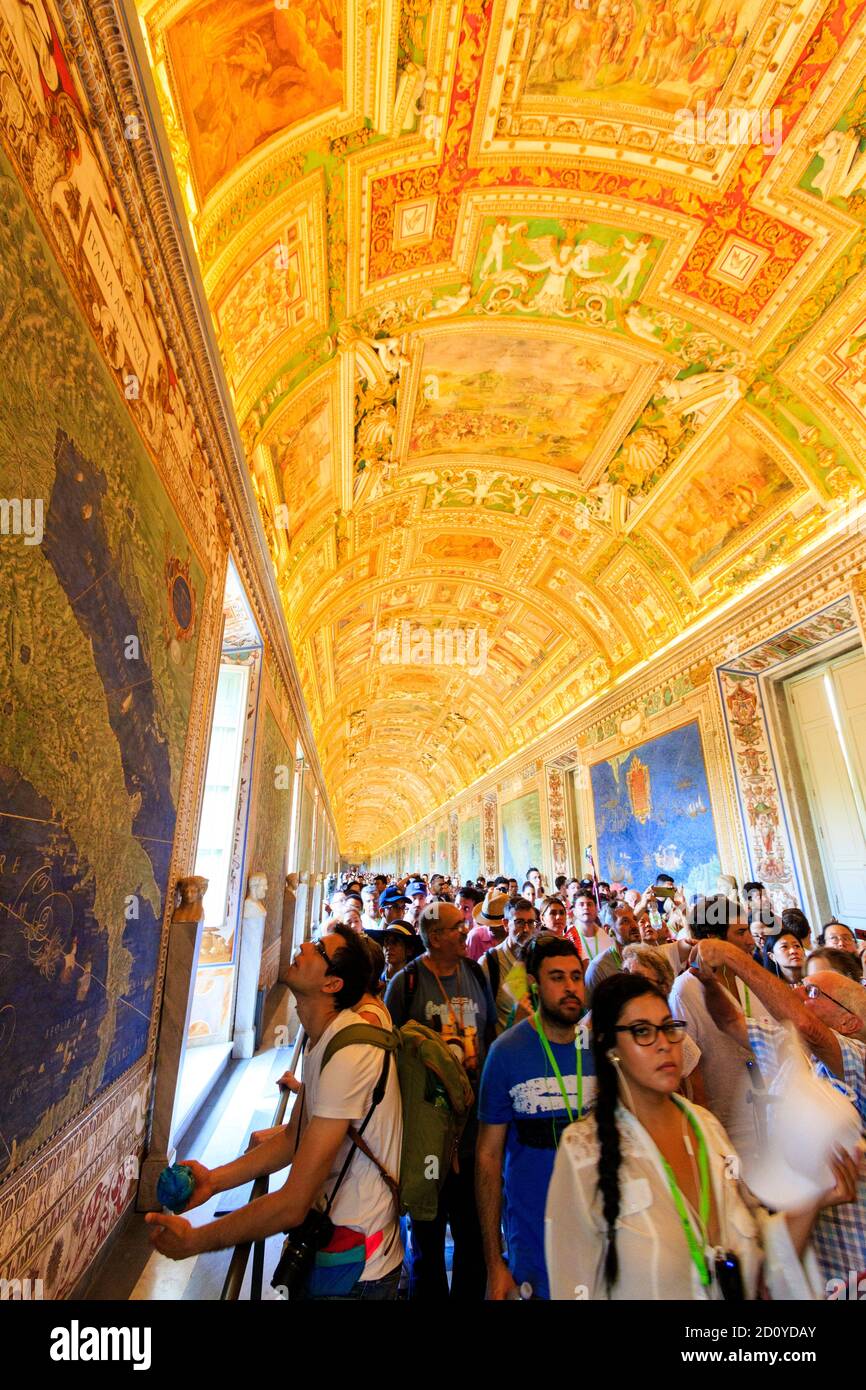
x=645, y=1200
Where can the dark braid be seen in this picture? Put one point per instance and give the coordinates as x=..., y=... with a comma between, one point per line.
x=608, y=1002
x=608, y=1159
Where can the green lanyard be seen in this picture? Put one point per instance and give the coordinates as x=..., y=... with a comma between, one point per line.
x=747, y=1001
x=696, y=1246
x=578, y=1052
x=591, y=955
x=617, y=957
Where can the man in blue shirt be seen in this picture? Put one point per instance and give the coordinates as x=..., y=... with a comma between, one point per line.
x=539, y=1077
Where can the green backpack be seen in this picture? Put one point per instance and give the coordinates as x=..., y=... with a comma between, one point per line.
x=436, y=1099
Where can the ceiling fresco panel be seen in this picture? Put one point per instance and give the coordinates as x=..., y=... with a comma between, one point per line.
x=534, y=334
x=245, y=72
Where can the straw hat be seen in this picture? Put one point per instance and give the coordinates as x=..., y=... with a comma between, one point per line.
x=490, y=913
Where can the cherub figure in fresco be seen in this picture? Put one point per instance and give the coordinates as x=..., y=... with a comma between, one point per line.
x=634, y=257
x=500, y=239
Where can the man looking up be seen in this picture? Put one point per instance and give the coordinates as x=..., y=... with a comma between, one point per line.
x=449, y=993
x=829, y=1013
x=328, y=978
x=538, y=1077
x=625, y=932
x=726, y=1075
x=502, y=964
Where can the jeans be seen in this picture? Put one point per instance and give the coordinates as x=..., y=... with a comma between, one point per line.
x=427, y=1277
x=367, y=1289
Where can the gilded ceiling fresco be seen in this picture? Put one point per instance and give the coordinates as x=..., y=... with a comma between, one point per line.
x=545, y=326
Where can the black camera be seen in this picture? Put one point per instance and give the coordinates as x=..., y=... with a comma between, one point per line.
x=299, y=1252
x=729, y=1277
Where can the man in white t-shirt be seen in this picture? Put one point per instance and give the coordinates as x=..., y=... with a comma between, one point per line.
x=726, y=1065
x=327, y=977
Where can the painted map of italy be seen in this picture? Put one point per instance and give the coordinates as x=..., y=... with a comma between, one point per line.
x=81, y=1007
x=98, y=644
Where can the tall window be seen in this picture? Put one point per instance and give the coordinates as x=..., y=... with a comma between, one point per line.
x=219, y=809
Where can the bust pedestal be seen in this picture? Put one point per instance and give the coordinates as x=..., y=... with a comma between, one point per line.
x=249, y=967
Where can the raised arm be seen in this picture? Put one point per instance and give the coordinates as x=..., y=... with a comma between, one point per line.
x=783, y=1002
x=720, y=1006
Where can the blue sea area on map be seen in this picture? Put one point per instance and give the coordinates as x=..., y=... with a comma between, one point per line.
x=672, y=831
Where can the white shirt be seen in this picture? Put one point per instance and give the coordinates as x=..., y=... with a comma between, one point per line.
x=726, y=1076
x=343, y=1091
x=654, y=1258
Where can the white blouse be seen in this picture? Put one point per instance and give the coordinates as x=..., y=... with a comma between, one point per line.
x=654, y=1258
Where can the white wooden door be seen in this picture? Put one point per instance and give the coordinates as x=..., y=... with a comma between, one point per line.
x=829, y=708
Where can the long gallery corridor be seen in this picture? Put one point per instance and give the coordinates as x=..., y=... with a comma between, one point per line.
x=433, y=579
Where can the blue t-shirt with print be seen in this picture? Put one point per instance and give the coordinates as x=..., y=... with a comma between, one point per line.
x=519, y=1088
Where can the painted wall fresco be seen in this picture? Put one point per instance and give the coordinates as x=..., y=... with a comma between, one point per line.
x=96, y=684
x=771, y=857
x=653, y=815
x=553, y=197
x=242, y=75
x=470, y=848
x=521, y=835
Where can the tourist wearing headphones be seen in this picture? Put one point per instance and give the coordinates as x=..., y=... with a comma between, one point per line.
x=538, y=1077
x=645, y=1200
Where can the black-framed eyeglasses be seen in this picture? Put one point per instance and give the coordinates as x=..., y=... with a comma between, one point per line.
x=645, y=1034
x=319, y=946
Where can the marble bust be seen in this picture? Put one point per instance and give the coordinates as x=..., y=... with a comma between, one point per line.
x=257, y=891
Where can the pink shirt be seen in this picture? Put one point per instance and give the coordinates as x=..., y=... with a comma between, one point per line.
x=479, y=940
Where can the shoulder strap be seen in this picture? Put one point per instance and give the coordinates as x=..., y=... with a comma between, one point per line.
x=366, y=1033
x=481, y=979
x=492, y=958
x=378, y=1093
x=411, y=978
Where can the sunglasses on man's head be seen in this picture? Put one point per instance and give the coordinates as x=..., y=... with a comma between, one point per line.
x=319, y=946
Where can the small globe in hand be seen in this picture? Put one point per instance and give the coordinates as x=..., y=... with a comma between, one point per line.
x=175, y=1186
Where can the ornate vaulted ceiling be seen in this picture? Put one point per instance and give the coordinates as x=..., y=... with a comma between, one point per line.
x=523, y=353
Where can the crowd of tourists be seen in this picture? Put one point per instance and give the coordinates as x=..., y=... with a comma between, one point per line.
x=577, y=1091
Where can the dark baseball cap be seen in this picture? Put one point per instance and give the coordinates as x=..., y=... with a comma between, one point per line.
x=392, y=896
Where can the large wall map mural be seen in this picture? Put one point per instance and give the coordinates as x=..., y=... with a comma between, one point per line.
x=99, y=640
x=652, y=813
x=521, y=835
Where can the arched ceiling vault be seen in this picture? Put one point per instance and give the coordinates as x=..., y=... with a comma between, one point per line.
x=545, y=327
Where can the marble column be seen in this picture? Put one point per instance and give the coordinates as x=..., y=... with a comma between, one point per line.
x=249, y=967
x=184, y=944
x=287, y=935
